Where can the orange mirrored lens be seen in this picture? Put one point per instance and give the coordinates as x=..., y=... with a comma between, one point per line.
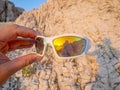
x=39, y=45
x=68, y=46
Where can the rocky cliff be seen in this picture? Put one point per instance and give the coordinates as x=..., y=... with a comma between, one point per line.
x=8, y=11
x=99, y=69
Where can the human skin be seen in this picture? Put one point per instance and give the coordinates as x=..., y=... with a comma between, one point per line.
x=14, y=37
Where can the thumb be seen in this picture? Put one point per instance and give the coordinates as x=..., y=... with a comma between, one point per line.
x=13, y=66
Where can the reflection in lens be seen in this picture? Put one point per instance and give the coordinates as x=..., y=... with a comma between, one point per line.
x=39, y=45
x=68, y=46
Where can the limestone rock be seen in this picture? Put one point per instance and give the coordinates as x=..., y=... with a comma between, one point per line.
x=99, y=20
x=8, y=11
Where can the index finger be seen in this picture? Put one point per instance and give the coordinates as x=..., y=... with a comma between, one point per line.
x=25, y=32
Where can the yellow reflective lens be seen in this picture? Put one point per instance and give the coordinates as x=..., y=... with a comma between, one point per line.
x=67, y=46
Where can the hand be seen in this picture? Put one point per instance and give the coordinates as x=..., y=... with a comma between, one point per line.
x=13, y=37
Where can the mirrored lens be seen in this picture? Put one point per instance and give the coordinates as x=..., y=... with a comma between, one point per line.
x=68, y=46
x=39, y=45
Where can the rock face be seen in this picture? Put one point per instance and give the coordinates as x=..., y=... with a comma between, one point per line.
x=8, y=11
x=99, y=69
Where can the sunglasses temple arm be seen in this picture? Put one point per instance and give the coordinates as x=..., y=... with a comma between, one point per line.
x=88, y=45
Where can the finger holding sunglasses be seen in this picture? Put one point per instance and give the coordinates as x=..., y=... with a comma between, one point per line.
x=9, y=40
x=11, y=32
x=20, y=43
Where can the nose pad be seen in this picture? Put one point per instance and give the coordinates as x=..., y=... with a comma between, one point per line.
x=49, y=49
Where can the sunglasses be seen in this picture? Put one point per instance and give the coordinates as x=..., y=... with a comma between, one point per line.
x=64, y=46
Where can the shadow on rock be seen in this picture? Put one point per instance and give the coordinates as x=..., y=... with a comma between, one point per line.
x=108, y=77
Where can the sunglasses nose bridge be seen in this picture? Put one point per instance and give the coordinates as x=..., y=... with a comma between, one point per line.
x=48, y=40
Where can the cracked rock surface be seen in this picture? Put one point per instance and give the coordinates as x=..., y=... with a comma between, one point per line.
x=99, y=69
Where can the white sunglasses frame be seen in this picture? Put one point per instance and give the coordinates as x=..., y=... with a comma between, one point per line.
x=49, y=40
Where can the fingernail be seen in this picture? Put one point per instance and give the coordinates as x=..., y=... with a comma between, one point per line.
x=39, y=57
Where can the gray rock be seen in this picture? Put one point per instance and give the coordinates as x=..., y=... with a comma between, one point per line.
x=8, y=11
